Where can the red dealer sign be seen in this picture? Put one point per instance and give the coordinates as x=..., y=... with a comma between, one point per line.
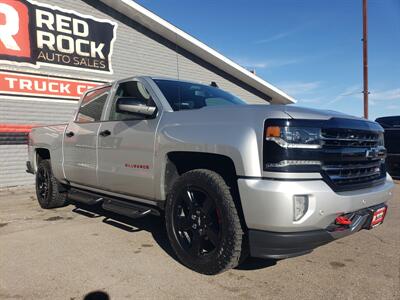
x=33, y=34
x=18, y=84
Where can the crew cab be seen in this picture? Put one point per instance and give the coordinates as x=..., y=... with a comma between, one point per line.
x=231, y=179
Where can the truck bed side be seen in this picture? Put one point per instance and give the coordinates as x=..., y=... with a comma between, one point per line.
x=47, y=140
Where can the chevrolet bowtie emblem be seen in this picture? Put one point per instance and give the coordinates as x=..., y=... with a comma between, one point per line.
x=372, y=153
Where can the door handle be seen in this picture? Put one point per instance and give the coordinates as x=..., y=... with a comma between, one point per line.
x=70, y=134
x=105, y=132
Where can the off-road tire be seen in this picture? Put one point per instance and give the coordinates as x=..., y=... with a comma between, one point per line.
x=55, y=196
x=227, y=254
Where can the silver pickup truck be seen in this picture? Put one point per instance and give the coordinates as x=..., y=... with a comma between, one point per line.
x=231, y=179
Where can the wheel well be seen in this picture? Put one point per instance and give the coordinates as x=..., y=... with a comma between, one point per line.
x=42, y=153
x=182, y=162
x=186, y=161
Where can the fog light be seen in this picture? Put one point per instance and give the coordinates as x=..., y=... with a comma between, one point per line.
x=300, y=206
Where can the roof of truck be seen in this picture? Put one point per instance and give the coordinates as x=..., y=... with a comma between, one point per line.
x=160, y=26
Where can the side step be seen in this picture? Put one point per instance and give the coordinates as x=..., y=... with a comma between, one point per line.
x=128, y=209
x=84, y=196
x=122, y=207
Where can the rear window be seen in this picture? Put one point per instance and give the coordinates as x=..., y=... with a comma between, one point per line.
x=186, y=95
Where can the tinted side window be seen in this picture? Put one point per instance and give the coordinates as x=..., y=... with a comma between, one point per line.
x=92, y=105
x=130, y=89
x=186, y=95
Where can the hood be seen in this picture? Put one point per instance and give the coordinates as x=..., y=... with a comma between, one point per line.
x=297, y=112
x=283, y=111
x=256, y=113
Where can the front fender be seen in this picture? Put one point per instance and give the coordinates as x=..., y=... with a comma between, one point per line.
x=240, y=144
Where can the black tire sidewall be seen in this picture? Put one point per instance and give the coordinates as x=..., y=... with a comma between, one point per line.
x=54, y=198
x=217, y=189
x=44, y=203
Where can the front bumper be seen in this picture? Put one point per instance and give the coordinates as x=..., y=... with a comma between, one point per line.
x=277, y=245
x=268, y=212
x=268, y=204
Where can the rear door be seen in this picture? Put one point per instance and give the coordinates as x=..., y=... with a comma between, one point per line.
x=126, y=145
x=80, y=141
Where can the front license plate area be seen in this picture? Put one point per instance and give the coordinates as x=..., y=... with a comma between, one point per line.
x=377, y=216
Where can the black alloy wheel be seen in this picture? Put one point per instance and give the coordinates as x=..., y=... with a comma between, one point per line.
x=196, y=222
x=49, y=192
x=43, y=183
x=202, y=222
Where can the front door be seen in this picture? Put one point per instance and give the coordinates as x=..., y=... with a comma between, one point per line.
x=80, y=141
x=126, y=146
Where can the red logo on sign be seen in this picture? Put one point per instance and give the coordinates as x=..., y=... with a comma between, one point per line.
x=14, y=29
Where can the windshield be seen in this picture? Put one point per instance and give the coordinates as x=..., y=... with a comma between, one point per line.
x=186, y=95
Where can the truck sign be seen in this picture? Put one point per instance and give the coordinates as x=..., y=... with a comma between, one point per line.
x=30, y=85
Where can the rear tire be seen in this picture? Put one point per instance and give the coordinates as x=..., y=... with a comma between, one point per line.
x=48, y=190
x=202, y=222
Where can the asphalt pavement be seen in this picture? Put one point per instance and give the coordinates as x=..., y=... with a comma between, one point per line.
x=77, y=252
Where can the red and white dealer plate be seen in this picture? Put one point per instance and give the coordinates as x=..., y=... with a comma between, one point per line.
x=378, y=215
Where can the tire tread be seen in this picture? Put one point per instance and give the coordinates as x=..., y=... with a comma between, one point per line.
x=56, y=198
x=231, y=253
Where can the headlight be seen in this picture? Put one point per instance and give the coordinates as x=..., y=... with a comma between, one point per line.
x=294, y=137
x=381, y=140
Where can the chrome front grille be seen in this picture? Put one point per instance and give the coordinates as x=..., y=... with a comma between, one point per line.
x=349, y=138
x=358, y=159
x=353, y=173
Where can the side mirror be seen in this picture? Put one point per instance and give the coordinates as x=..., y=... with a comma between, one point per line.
x=134, y=105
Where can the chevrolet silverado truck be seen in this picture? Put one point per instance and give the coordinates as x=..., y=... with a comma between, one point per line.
x=230, y=179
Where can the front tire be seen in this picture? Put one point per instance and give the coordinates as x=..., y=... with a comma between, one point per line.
x=202, y=222
x=48, y=189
